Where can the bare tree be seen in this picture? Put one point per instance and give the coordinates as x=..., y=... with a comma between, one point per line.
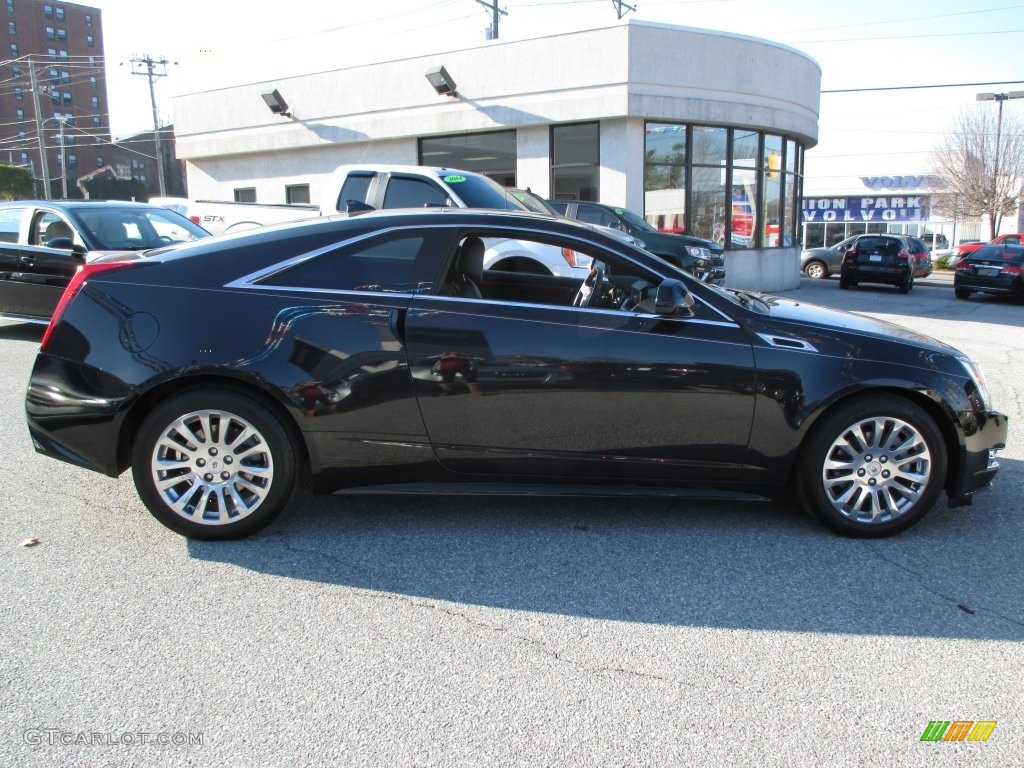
x=982, y=165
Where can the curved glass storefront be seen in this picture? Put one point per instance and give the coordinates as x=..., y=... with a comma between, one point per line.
x=735, y=186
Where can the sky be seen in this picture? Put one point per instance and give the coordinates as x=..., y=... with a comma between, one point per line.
x=866, y=44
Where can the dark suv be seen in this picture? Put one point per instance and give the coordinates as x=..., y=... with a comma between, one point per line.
x=878, y=259
x=702, y=258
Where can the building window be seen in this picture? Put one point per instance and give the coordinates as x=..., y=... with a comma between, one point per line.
x=54, y=75
x=48, y=11
x=62, y=34
x=52, y=53
x=492, y=154
x=90, y=41
x=14, y=49
x=69, y=138
x=58, y=12
x=576, y=161
x=12, y=27
x=24, y=158
x=245, y=195
x=19, y=114
x=16, y=71
x=65, y=76
x=88, y=20
x=99, y=161
x=96, y=120
x=297, y=193
x=67, y=97
x=92, y=61
x=737, y=187
x=92, y=81
x=95, y=101
x=51, y=33
x=18, y=92
x=72, y=160
x=10, y=6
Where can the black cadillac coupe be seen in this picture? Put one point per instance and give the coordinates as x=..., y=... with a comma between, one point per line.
x=374, y=353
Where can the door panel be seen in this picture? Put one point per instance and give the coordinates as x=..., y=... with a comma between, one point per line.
x=525, y=389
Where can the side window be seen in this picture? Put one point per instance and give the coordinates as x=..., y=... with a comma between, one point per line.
x=413, y=193
x=356, y=187
x=396, y=262
x=10, y=224
x=593, y=215
x=1012, y=240
x=49, y=226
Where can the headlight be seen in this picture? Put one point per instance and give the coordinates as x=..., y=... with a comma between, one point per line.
x=698, y=253
x=975, y=374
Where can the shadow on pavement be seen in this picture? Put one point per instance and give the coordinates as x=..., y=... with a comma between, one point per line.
x=748, y=566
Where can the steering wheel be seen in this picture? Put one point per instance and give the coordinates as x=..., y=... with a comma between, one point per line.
x=590, y=286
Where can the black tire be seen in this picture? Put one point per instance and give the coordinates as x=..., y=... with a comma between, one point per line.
x=236, y=461
x=860, y=495
x=816, y=270
x=844, y=282
x=962, y=293
x=906, y=285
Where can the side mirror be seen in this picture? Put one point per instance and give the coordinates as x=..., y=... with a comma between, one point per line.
x=65, y=244
x=673, y=300
x=352, y=207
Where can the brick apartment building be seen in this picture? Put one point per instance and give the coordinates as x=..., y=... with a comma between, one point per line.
x=53, y=95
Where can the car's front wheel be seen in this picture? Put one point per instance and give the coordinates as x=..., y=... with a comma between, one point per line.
x=214, y=464
x=872, y=467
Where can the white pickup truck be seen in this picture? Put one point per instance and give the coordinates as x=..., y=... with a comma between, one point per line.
x=369, y=187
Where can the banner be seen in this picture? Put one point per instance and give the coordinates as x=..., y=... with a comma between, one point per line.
x=866, y=210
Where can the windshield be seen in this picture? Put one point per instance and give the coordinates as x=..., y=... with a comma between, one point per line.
x=134, y=229
x=634, y=221
x=480, y=192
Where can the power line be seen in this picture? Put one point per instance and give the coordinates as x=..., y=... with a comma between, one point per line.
x=915, y=87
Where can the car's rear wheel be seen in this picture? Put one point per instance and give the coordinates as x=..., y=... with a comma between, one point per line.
x=816, y=270
x=962, y=293
x=872, y=467
x=907, y=285
x=844, y=282
x=214, y=464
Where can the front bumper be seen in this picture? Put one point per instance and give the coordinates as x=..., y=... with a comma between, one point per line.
x=978, y=465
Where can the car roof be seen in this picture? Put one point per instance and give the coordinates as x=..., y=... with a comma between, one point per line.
x=75, y=204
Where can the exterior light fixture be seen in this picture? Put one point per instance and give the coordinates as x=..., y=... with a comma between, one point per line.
x=442, y=81
x=276, y=102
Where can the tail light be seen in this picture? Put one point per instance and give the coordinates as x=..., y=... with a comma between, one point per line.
x=963, y=266
x=1013, y=270
x=903, y=256
x=77, y=281
x=576, y=259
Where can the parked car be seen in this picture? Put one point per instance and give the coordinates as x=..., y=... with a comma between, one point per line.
x=967, y=247
x=878, y=259
x=821, y=263
x=375, y=353
x=703, y=259
x=43, y=242
x=994, y=269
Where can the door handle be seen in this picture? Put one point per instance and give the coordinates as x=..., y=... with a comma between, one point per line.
x=29, y=260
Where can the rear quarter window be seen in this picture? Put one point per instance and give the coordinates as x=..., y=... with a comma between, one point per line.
x=10, y=224
x=391, y=263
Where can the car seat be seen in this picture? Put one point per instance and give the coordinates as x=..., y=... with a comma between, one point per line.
x=56, y=229
x=468, y=270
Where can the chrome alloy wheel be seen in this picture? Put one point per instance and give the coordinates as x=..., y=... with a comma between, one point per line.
x=876, y=470
x=212, y=467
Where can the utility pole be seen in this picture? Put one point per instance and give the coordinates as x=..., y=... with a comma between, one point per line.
x=44, y=164
x=619, y=5
x=496, y=13
x=146, y=65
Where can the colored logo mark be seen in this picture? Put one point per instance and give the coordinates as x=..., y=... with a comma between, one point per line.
x=958, y=730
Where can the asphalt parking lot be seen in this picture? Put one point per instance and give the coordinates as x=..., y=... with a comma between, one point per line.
x=366, y=631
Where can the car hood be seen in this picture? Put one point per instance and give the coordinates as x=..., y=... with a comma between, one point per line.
x=797, y=315
x=674, y=243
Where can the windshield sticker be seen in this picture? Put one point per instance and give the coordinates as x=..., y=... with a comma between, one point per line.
x=618, y=211
x=454, y=179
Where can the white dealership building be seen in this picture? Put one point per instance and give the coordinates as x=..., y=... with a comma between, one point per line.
x=696, y=130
